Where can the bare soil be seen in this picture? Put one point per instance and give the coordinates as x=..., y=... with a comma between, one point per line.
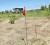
x=38, y=31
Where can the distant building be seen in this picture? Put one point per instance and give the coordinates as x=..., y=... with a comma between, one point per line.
x=18, y=10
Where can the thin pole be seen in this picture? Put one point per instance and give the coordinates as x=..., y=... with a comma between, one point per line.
x=26, y=31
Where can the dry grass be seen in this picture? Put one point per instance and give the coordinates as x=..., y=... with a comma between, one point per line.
x=12, y=34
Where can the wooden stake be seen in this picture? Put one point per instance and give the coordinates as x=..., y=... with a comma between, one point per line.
x=26, y=31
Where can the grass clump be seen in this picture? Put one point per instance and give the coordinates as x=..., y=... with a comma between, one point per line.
x=12, y=20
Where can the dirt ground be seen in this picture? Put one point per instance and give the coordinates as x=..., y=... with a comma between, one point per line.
x=38, y=31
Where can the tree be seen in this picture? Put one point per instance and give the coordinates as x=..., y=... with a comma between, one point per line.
x=42, y=7
x=6, y=11
x=10, y=11
x=45, y=7
x=49, y=7
x=2, y=12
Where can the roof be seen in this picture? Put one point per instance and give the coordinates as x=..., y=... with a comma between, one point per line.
x=18, y=8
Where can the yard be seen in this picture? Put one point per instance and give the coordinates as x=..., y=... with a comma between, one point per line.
x=12, y=34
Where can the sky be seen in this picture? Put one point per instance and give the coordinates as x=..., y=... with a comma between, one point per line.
x=29, y=4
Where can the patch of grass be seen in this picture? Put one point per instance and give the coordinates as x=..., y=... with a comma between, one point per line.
x=37, y=13
x=33, y=13
x=12, y=20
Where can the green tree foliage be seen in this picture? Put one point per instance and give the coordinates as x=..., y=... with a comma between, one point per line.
x=42, y=7
x=10, y=11
x=49, y=7
x=6, y=11
x=45, y=7
x=2, y=12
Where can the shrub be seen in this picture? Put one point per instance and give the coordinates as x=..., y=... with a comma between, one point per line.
x=12, y=20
